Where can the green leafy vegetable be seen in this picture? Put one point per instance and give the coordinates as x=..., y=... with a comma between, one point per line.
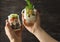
x=29, y=4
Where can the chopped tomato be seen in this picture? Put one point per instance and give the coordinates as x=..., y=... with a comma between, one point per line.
x=13, y=19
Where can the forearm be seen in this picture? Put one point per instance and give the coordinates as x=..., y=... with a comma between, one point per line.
x=43, y=36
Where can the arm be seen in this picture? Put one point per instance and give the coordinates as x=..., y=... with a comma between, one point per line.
x=38, y=31
x=43, y=36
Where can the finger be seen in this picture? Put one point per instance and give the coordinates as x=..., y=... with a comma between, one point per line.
x=18, y=32
x=23, y=20
x=27, y=27
x=38, y=18
x=22, y=27
x=8, y=26
x=7, y=23
x=9, y=31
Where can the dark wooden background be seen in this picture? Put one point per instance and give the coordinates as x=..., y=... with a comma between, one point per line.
x=49, y=14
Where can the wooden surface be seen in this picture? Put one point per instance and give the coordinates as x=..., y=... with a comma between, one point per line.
x=49, y=13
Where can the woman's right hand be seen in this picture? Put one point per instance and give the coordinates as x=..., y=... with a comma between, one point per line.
x=14, y=36
x=35, y=26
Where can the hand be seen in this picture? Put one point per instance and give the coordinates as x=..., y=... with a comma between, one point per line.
x=35, y=29
x=14, y=36
x=35, y=26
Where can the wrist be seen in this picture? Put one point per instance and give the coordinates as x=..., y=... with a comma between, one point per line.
x=38, y=33
x=37, y=30
x=15, y=40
